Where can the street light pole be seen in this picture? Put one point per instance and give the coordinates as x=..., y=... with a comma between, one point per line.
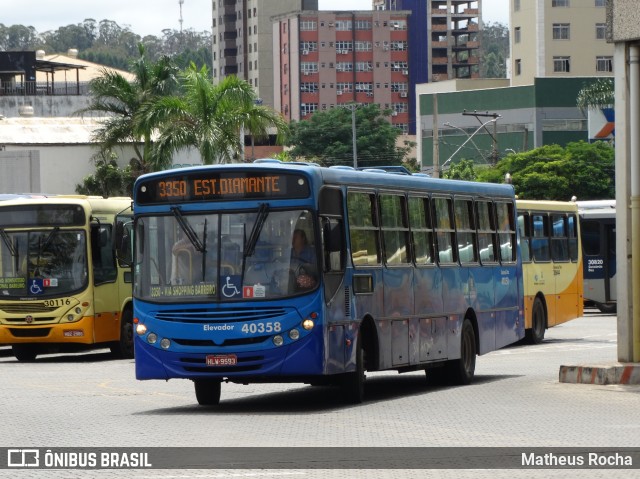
x=352, y=107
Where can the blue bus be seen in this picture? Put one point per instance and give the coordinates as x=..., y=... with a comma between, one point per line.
x=290, y=272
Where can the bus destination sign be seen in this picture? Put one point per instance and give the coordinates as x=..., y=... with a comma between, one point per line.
x=222, y=185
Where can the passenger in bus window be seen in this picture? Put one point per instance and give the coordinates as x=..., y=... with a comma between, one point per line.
x=303, y=258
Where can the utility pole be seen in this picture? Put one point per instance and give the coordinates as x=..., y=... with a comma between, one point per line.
x=353, y=107
x=494, y=135
x=436, y=140
x=180, y=2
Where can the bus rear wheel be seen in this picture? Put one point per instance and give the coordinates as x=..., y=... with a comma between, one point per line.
x=352, y=384
x=208, y=391
x=535, y=335
x=462, y=370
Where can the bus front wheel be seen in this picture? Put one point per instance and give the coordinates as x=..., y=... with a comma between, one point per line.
x=24, y=352
x=123, y=348
x=535, y=335
x=208, y=391
x=353, y=383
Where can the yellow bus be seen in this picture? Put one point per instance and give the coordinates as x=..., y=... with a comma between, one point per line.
x=63, y=283
x=552, y=273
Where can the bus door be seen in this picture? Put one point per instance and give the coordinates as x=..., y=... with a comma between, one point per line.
x=337, y=297
x=105, y=273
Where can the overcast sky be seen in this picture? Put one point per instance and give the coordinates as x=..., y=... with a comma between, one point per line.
x=150, y=17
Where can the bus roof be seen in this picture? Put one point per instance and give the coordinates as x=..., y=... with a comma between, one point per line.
x=597, y=209
x=347, y=175
x=546, y=205
x=96, y=203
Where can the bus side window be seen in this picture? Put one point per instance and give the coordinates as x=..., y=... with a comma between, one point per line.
x=333, y=240
x=103, y=257
x=525, y=236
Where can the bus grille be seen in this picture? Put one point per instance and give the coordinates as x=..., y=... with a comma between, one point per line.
x=30, y=332
x=27, y=307
x=35, y=320
x=219, y=315
x=228, y=342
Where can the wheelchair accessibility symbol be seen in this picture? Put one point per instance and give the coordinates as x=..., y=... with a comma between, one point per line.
x=232, y=287
x=36, y=286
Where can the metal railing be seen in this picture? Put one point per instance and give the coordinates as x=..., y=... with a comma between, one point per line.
x=39, y=88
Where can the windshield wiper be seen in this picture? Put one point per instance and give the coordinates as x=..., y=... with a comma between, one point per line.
x=250, y=246
x=7, y=242
x=200, y=246
x=188, y=230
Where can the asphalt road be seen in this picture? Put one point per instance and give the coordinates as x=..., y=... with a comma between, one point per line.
x=516, y=401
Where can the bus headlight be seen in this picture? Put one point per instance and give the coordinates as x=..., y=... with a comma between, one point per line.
x=78, y=310
x=307, y=324
x=294, y=334
x=152, y=338
x=165, y=343
x=278, y=340
x=141, y=329
x=70, y=317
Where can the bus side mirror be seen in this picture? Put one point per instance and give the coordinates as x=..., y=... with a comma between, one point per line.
x=123, y=243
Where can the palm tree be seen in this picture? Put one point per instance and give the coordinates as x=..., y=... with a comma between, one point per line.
x=207, y=117
x=599, y=94
x=120, y=100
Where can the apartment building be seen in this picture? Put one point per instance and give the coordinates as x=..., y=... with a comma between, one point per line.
x=332, y=58
x=558, y=38
x=242, y=40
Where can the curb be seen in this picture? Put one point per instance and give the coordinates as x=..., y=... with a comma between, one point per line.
x=618, y=373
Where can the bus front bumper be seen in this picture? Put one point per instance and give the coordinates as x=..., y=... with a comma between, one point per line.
x=78, y=332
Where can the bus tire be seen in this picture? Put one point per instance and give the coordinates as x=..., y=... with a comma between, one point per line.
x=25, y=352
x=535, y=335
x=123, y=348
x=208, y=391
x=462, y=370
x=352, y=384
x=607, y=308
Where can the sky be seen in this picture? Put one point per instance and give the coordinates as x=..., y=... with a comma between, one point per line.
x=150, y=17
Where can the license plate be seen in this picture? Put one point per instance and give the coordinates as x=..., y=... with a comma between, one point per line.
x=222, y=360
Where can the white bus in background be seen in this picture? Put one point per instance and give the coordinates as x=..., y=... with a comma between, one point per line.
x=598, y=224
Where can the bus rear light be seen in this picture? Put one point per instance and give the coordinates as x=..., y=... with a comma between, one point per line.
x=308, y=324
x=278, y=340
x=152, y=338
x=313, y=315
x=165, y=343
x=294, y=334
x=141, y=329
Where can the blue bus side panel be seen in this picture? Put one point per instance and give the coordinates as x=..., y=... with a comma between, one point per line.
x=481, y=295
x=509, y=321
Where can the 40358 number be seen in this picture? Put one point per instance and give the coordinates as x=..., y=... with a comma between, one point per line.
x=269, y=327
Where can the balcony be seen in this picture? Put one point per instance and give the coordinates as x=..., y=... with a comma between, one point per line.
x=39, y=88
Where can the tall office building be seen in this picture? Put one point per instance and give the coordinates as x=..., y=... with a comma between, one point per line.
x=558, y=38
x=242, y=40
x=332, y=58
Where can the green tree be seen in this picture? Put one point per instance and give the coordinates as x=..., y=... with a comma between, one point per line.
x=584, y=170
x=462, y=170
x=494, y=50
x=108, y=180
x=120, y=101
x=207, y=117
x=326, y=137
x=599, y=94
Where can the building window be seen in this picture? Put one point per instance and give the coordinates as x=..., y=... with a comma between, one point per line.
x=561, y=31
x=362, y=86
x=344, y=66
x=516, y=5
x=601, y=31
x=601, y=3
x=363, y=25
x=399, y=46
x=344, y=47
x=309, y=87
x=561, y=64
x=363, y=46
x=308, y=47
x=308, y=67
x=604, y=64
x=559, y=3
x=344, y=25
x=364, y=66
x=308, y=108
x=516, y=34
x=308, y=25
x=518, y=67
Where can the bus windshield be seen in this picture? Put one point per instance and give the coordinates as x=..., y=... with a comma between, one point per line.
x=261, y=254
x=42, y=263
